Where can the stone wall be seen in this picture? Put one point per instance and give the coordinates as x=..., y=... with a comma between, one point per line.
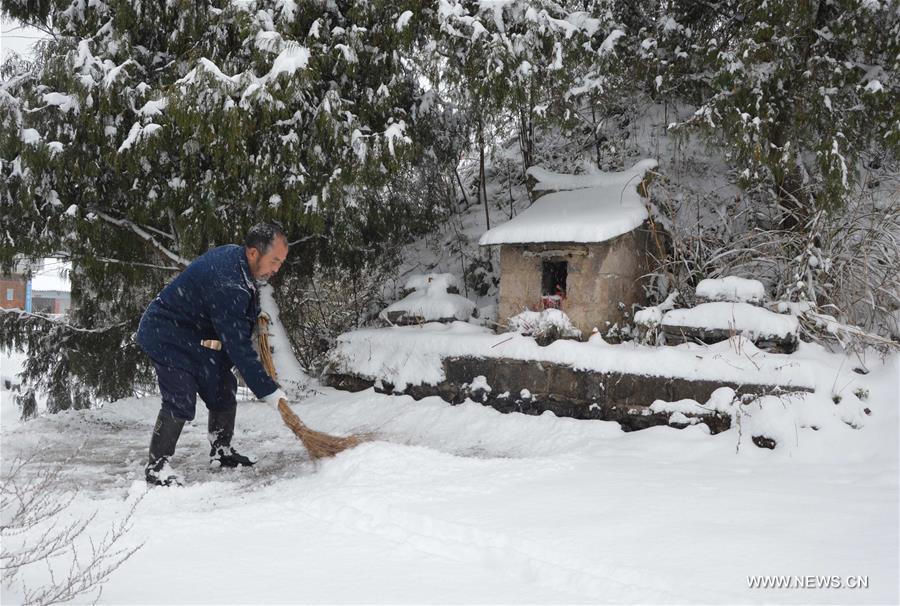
x=600, y=277
x=533, y=387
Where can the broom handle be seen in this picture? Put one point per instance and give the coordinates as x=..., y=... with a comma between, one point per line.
x=265, y=354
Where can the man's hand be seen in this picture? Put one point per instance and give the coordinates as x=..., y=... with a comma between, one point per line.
x=273, y=398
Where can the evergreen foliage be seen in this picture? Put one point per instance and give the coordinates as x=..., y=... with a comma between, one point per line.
x=143, y=133
x=795, y=93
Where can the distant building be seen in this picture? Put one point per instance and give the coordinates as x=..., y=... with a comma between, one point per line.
x=582, y=247
x=50, y=292
x=46, y=292
x=51, y=302
x=14, y=293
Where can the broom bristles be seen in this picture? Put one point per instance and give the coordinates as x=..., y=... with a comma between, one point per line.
x=317, y=443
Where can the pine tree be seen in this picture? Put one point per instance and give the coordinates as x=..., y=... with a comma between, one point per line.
x=528, y=62
x=145, y=133
x=797, y=93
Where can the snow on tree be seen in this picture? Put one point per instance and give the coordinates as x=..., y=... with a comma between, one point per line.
x=144, y=133
x=800, y=92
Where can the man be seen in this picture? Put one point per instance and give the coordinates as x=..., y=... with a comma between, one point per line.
x=195, y=330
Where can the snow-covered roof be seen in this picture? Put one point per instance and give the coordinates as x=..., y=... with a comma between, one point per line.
x=49, y=278
x=583, y=208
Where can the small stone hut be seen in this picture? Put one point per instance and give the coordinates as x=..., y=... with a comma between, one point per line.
x=582, y=247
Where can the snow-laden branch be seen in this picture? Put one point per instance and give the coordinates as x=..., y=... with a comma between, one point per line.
x=22, y=313
x=59, y=254
x=137, y=264
x=291, y=375
x=144, y=235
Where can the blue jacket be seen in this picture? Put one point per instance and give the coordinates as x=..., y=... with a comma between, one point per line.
x=214, y=298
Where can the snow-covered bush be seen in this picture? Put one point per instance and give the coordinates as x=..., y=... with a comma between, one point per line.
x=773, y=420
x=316, y=309
x=441, y=282
x=27, y=403
x=545, y=326
x=647, y=321
x=837, y=269
x=430, y=301
x=481, y=277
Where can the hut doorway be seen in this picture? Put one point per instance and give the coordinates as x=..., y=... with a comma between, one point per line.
x=553, y=283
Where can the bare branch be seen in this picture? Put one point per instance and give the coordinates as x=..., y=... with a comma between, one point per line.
x=35, y=530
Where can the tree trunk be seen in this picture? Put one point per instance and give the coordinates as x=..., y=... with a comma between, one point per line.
x=461, y=187
x=526, y=141
x=481, y=185
x=595, y=128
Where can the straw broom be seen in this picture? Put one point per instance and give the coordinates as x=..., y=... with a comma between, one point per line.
x=318, y=444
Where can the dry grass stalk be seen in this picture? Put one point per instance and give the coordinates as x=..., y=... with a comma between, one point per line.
x=318, y=444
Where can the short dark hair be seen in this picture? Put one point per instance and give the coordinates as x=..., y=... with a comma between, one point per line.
x=262, y=235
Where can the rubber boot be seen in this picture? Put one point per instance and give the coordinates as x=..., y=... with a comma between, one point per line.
x=162, y=446
x=221, y=430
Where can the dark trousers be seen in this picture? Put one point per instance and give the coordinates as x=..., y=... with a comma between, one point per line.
x=179, y=389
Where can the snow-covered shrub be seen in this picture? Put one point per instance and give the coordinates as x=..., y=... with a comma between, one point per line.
x=647, y=321
x=444, y=282
x=836, y=269
x=430, y=301
x=777, y=421
x=316, y=309
x=545, y=326
x=479, y=389
x=846, y=268
x=27, y=403
x=481, y=277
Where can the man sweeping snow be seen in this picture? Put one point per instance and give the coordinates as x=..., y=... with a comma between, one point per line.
x=195, y=331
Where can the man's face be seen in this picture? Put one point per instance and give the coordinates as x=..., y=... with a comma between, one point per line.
x=265, y=266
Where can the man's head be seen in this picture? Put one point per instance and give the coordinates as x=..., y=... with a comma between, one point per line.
x=266, y=248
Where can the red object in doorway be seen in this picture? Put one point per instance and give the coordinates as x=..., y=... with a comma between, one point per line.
x=555, y=300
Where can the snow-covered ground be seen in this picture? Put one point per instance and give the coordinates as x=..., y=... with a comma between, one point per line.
x=466, y=505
